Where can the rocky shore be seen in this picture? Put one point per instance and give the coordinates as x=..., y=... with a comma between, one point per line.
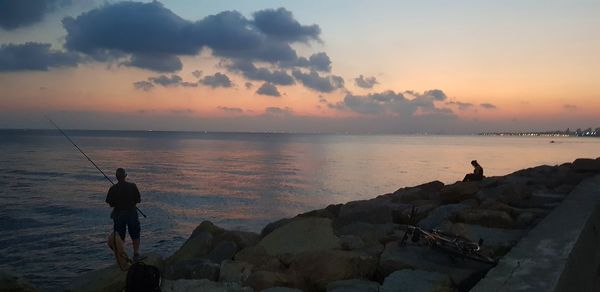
x=355, y=246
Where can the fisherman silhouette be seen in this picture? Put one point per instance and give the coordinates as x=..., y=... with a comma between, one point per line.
x=477, y=174
x=123, y=197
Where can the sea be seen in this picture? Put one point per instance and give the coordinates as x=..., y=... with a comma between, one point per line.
x=54, y=222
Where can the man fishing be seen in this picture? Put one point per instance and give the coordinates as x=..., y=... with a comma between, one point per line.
x=123, y=197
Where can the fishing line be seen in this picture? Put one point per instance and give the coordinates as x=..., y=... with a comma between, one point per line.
x=88, y=158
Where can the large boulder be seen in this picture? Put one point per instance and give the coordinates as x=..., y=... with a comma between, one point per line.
x=334, y=209
x=367, y=232
x=323, y=213
x=259, y=258
x=260, y=280
x=353, y=285
x=427, y=191
x=375, y=211
x=530, y=206
x=314, y=270
x=110, y=278
x=366, y=237
x=274, y=225
x=463, y=272
x=460, y=191
x=426, y=188
x=586, y=165
x=440, y=215
x=196, y=247
x=224, y=250
x=192, y=269
x=485, y=217
x=211, y=242
x=234, y=271
x=515, y=193
x=202, y=285
x=415, y=280
x=301, y=235
x=12, y=282
x=351, y=242
x=207, y=227
x=242, y=239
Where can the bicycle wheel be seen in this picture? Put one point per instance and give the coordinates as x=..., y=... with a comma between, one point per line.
x=466, y=249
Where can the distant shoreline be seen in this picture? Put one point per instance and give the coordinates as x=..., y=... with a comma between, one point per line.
x=594, y=134
x=123, y=131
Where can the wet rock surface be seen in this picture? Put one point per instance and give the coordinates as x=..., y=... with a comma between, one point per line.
x=14, y=282
x=415, y=280
x=355, y=246
x=353, y=285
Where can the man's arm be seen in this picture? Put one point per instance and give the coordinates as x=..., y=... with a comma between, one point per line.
x=136, y=194
x=110, y=197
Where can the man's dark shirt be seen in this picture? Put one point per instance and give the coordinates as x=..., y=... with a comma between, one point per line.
x=478, y=173
x=123, y=196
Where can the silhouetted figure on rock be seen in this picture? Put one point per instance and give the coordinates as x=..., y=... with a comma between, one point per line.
x=477, y=174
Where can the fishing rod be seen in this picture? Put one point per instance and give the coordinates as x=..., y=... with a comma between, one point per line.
x=88, y=158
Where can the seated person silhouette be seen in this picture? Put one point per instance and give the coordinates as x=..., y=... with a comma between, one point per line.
x=477, y=174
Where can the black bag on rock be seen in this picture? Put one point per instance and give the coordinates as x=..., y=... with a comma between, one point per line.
x=143, y=278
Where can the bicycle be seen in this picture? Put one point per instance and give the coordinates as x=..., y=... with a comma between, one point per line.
x=449, y=243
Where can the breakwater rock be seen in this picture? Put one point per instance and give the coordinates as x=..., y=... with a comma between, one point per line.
x=355, y=246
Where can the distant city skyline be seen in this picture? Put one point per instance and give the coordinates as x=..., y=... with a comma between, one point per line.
x=306, y=66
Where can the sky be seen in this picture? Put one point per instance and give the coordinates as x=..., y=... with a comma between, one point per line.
x=301, y=66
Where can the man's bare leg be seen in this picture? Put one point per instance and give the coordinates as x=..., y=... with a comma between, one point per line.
x=136, y=247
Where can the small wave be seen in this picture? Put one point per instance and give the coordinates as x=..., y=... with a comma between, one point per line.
x=87, y=177
x=20, y=185
x=58, y=210
x=35, y=173
x=10, y=223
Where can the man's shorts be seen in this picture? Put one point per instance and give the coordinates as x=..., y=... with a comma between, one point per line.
x=127, y=220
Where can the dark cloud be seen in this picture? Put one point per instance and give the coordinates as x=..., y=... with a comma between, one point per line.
x=197, y=73
x=21, y=13
x=268, y=89
x=320, y=62
x=407, y=103
x=155, y=62
x=143, y=85
x=130, y=27
x=436, y=94
x=365, y=82
x=487, y=105
x=248, y=85
x=314, y=81
x=164, y=80
x=317, y=62
x=340, y=106
x=461, y=105
x=570, y=107
x=172, y=80
x=34, y=56
x=281, y=24
x=249, y=71
x=236, y=110
x=278, y=111
x=216, y=80
x=147, y=29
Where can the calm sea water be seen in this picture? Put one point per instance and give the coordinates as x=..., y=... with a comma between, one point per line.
x=54, y=221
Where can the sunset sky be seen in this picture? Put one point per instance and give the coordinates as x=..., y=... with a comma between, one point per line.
x=301, y=66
